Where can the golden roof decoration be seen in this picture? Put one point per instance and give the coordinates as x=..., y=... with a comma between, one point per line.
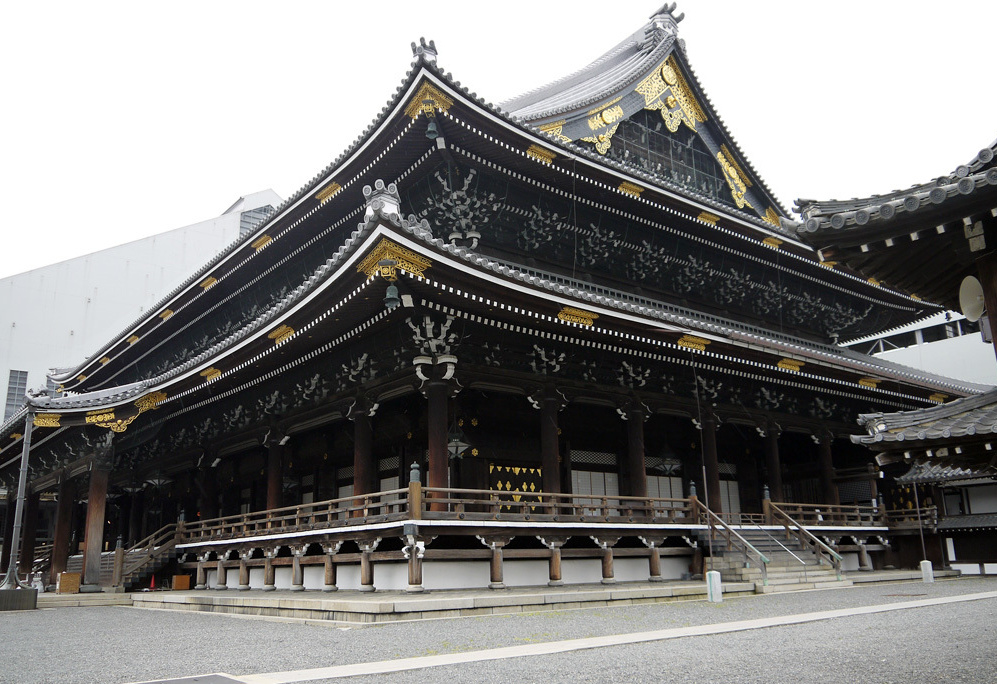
x=327, y=193
x=402, y=257
x=281, y=334
x=693, y=342
x=570, y=314
x=541, y=154
x=418, y=104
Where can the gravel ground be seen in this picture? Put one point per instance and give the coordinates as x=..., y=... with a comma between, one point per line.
x=115, y=644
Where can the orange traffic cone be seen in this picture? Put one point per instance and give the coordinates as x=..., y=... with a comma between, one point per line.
x=152, y=583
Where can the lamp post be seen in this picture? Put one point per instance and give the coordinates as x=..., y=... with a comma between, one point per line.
x=15, y=594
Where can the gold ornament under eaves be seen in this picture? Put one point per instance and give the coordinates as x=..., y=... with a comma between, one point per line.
x=665, y=89
x=427, y=100
x=570, y=314
x=47, y=420
x=736, y=179
x=388, y=251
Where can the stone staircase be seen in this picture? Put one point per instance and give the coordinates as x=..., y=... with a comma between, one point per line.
x=138, y=580
x=786, y=571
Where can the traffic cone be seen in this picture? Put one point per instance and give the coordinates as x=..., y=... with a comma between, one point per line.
x=152, y=583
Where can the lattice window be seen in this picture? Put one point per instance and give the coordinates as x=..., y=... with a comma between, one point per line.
x=644, y=142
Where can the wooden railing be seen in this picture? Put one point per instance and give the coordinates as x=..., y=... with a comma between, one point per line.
x=735, y=542
x=352, y=510
x=159, y=544
x=485, y=504
x=816, y=515
x=807, y=540
x=912, y=518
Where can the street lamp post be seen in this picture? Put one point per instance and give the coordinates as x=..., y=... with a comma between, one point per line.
x=15, y=594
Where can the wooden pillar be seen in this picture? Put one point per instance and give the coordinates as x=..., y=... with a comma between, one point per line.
x=710, y=461
x=135, y=514
x=207, y=493
x=269, y=579
x=554, y=561
x=437, y=393
x=635, y=451
x=221, y=573
x=63, y=528
x=96, y=504
x=606, y=544
x=202, y=573
x=29, y=532
x=366, y=564
x=275, y=475
x=550, y=406
x=297, y=574
x=653, y=558
x=830, y=490
x=244, y=569
x=331, y=549
x=8, y=529
x=414, y=550
x=363, y=455
x=496, y=571
x=987, y=268
x=773, y=467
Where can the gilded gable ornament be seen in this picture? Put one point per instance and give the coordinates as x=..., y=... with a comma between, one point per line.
x=665, y=89
x=736, y=178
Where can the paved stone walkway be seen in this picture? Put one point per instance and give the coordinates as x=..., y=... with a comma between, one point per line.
x=843, y=631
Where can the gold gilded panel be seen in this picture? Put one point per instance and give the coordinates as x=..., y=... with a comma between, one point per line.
x=437, y=100
x=281, y=334
x=707, y=217
x=580, y=316
x=404, y=259
x=665, y=89
x=554, y=128
x=328, y=192
x=47, y=420
x=693, y=342
x=541, y=154
x=261, y=242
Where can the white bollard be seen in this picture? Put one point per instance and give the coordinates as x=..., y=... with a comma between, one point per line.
x=714, y=589
x=927, y=574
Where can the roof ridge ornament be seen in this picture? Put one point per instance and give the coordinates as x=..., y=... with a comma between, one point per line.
x=663, y=23
x=382, y=200
x=425, y=51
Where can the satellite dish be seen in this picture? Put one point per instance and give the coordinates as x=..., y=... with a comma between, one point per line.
x=971, y=298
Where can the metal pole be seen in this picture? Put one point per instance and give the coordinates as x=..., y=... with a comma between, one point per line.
x=709, y=518
x=12, y=581
x=920, y=527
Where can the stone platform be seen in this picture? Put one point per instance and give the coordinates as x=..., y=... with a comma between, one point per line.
x=354, y=607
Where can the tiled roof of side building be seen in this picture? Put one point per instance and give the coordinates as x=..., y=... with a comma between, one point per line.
x=933, y=473
x=829, y=216
x=975, y=415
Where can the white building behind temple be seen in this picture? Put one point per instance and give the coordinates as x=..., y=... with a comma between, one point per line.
x=57, y=315
x=947, y=344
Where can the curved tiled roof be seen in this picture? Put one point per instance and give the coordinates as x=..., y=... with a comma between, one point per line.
x=976, y=415
x=824, y=217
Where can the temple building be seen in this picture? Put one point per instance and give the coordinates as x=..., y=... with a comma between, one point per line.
x=558, y=339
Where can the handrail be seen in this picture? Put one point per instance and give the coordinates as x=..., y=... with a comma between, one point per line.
x=784, y=548
x=730, y=534
x=816, y=515
x=807, y=538
x=158, y=544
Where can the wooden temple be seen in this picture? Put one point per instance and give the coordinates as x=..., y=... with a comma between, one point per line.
x=565, y=338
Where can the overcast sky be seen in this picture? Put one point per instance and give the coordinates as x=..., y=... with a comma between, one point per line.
x=125, y=119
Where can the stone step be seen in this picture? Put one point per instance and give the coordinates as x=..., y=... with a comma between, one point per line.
x=756, y=575
x=777, y=588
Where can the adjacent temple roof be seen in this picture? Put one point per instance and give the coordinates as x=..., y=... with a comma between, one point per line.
x=923, y=240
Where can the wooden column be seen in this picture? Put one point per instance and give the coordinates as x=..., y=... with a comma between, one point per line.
x=221, y=573
x=244, y=569
x=366, y=565
x=550, y=406
x=96, y=505
x=202, y=573
x=297, y=574
x=63, y=528
x=606, y=544
x=29, y=532
x=635, y=451
x=773, y=467
x=207, y=493
x=987, y=268
x=8, y=529
x=437, y=393
x=496, y=572
x=363, y=455
x=554, y=561
x=135, y=515
x=830, y=490
x=654, y=557
x=275, y=475
x=269, y=580
x=414, y=549
x=710, y=461
x=331, y=549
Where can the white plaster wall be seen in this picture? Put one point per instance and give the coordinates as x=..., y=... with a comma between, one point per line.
x=967, y=358
x=57, y=315
x=982, y=499
x=850, y=561
x=393, y=576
